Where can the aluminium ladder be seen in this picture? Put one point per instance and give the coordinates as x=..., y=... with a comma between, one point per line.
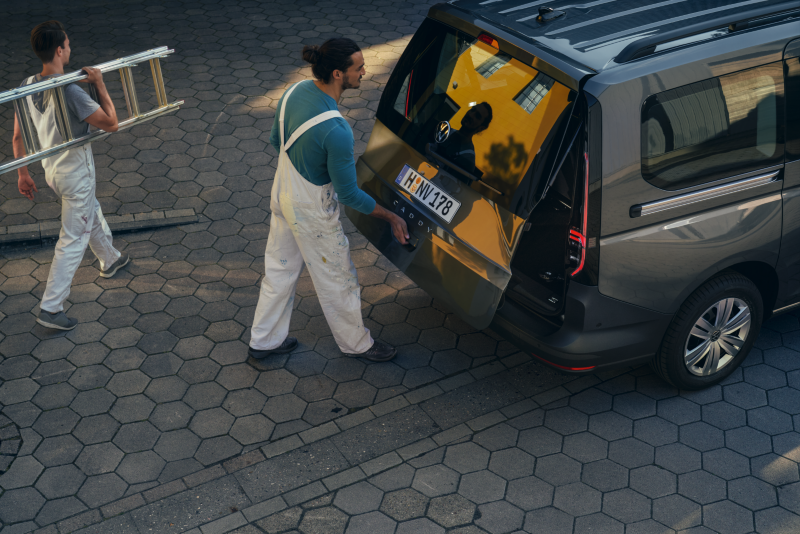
x=33, y=149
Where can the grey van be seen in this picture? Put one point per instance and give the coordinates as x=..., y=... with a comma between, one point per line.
x=605, y=183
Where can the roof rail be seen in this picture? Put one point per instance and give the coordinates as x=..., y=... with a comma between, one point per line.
x=647, y=45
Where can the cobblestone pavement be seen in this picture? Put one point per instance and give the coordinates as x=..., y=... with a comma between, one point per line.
x=148, y=418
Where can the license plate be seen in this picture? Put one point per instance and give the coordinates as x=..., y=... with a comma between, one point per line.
x=429, y=194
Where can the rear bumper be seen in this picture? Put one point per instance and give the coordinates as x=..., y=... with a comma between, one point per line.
x=598, y=332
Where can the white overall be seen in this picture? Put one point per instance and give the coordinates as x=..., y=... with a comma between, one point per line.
x=71, y=175
x=305, y=228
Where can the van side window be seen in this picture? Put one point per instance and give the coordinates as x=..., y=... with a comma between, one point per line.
x=713, y=129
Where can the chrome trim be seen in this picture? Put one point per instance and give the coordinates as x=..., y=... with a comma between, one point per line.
x=705, y=194
x=786, y=308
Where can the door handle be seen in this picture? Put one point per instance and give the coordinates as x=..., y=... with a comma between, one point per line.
x=411, y=242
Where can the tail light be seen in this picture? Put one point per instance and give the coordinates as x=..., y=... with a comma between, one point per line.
x=577, y=237
x=489, y=40
x=408, y=91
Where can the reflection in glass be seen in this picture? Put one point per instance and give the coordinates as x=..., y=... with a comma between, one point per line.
x=713, y=129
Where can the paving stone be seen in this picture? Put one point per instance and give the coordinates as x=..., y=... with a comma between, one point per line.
x=677, y=512
x=726, y=464
x=725, y=516
x=511, y=464
x=578, y=499
x=539, y=441
x=23, y=472
x=482, y=487
x=466, y=458
x=497, y=437
x=499, y=517
x=102, y=489
x=653, y=481
x=435, y=481
x=359, y=498
x=62, y=481
x=20, y=505
x=323, y=521
x=558, y=469
x=406, y=504
x=752, y=493
x=419, y=526
x=58, y=450
x=99, y=459
x=371, y=523
x=282, y=521
x=548, y=520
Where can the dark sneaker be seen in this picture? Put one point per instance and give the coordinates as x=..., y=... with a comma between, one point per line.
x=116, y=266
x=378, y=352
x=288, y=345
x=59, y=320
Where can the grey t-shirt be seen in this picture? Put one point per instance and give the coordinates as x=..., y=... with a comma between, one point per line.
x=79, y=104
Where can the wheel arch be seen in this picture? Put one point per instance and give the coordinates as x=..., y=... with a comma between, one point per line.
x=765, y=278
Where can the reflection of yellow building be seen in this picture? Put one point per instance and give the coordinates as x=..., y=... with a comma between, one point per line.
x=514, y=136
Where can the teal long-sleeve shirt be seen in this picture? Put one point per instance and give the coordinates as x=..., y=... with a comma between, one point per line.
x=323, y=154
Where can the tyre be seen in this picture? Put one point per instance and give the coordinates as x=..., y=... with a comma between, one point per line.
x=712, y=333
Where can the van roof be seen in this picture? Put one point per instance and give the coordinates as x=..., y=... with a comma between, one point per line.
x=594, y=32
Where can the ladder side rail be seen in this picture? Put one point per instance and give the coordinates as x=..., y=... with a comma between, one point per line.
x=66, y=79
x=125, y=93
x=88, y=138
x=62, y=114
x=130, y=91
x=29, y=136
x=158, y=81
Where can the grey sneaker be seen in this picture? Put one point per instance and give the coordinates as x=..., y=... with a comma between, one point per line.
x=59, y=320
x=116, y=266
x=379, y=352
x=288, y=345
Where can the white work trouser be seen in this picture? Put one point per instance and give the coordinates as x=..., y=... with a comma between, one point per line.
x=82, y=224
x=305, y=228
x=70, y=174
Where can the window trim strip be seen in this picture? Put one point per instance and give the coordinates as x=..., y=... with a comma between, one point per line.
x=649, y=208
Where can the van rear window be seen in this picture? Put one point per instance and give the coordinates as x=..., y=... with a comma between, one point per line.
x=471, y=108
x=713, y=129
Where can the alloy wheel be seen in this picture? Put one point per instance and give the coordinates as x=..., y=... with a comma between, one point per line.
x=717, y=337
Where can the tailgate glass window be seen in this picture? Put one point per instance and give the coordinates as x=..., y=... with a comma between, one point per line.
x=472, y=109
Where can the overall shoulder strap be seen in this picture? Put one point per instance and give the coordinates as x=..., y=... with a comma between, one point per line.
x=310, y=123
x=283, y=110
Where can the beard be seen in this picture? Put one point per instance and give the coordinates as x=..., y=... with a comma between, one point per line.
x=347, y=85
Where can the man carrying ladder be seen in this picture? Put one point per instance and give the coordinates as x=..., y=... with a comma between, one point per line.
x=71, y=174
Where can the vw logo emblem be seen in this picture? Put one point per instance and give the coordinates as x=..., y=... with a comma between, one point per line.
x=442, y=132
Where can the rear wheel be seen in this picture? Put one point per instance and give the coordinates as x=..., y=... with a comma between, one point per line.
x=712, y=333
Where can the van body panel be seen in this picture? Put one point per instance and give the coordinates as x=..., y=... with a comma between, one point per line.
x=598, y=331
x=787, y=268
x=617, y=89
x=658, y=266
